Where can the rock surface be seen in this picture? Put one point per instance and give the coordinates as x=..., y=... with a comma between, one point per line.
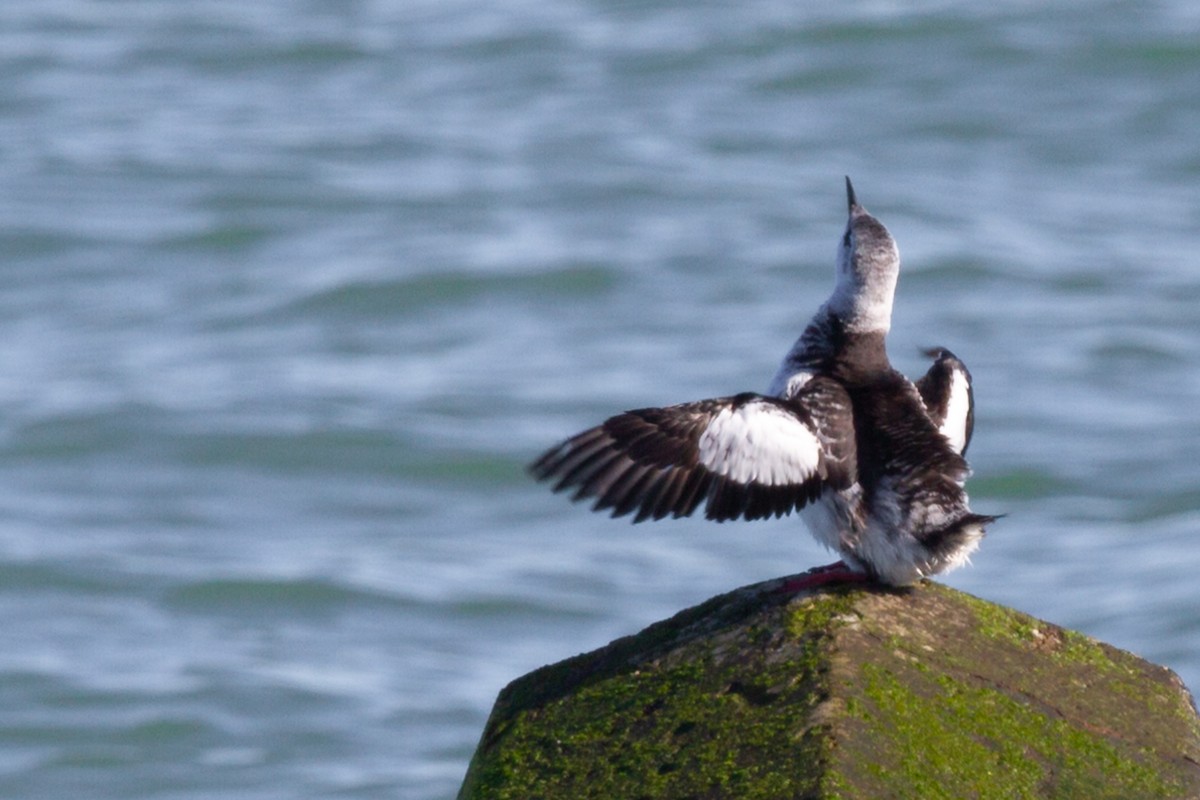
x=843, y=693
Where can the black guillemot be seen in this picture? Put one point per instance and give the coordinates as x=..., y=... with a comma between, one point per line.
x=872, y=461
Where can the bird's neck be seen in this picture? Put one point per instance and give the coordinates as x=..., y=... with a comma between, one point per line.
x=862, y=357
x=863, y=308
x=830, y=341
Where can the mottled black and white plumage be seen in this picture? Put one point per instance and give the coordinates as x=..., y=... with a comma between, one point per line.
x=873, y=462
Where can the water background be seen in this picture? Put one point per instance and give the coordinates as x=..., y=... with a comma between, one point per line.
x=290, y=292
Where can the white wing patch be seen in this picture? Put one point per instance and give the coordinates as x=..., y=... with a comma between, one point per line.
x=958, y=405
x=759, y=442
x=789, y=382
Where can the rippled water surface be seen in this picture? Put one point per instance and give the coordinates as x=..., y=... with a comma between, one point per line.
x=292, y=291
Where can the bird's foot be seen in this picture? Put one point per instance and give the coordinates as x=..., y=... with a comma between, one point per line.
x=835, y=573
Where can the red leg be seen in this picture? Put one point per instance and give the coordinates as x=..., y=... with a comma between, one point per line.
x=837, y=572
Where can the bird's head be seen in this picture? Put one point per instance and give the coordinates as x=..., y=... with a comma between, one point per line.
x=868, y=265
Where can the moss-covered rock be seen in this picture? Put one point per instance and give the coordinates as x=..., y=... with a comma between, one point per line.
x=843, y=693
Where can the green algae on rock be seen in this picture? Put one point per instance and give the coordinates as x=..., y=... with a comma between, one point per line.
x=843, y=693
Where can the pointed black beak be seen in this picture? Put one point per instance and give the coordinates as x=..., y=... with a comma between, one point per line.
x=851, y=200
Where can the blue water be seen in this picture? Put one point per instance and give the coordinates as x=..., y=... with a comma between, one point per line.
x=290, y=293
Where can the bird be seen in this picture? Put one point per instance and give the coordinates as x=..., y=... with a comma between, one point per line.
x=873, y=462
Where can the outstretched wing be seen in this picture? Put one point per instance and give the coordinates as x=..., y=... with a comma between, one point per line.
x=748, y=456
x=946, y=392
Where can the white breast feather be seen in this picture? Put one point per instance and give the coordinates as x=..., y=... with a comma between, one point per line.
x=759, y=442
